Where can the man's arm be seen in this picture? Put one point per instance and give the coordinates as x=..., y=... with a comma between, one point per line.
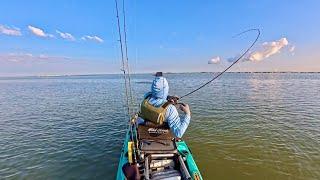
x=178, y=125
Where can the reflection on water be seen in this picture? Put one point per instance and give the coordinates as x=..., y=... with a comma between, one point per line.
x=244, y=126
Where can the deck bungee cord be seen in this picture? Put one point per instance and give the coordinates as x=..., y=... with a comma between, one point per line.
x=234, y=62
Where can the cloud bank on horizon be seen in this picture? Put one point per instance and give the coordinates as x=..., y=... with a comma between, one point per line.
x=28, y=57
x=264, y=51
x=39, y=32
x=22, y=58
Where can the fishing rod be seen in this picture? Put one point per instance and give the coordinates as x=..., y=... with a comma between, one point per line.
x=124, y=60
x=238, y=59
x=126, y=50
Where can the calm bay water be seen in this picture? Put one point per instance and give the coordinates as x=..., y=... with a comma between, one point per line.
x=244, y=126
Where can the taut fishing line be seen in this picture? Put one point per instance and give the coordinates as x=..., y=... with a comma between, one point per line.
x=237, y=60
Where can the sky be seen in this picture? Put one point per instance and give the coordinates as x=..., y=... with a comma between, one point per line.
x=65, y=37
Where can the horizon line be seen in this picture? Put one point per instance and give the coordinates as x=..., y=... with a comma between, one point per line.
x=100, y=74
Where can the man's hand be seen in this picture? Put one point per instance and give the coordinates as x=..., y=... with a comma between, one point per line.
x=185, y=108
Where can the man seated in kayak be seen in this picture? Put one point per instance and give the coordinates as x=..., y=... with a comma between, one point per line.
x=156, y=109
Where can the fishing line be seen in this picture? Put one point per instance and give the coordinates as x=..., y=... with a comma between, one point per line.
x=238, y=59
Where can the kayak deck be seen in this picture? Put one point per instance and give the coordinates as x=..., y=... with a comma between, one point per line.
x=157, y=157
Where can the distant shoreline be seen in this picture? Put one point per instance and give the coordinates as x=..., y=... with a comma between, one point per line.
x=67, y=75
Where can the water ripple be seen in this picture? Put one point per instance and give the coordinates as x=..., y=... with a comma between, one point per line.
x=244, y=126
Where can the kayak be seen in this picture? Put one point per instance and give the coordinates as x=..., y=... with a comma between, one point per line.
x=153, y=153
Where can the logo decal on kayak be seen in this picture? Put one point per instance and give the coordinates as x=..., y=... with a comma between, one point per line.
x=157, y=132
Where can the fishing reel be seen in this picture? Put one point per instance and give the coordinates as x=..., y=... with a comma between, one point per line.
x=174, y=100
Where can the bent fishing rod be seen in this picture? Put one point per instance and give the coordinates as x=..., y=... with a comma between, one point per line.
x=237, y=60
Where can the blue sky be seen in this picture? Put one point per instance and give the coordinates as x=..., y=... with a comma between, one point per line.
x=80, y=37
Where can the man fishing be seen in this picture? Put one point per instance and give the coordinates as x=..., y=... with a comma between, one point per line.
x=156, y=109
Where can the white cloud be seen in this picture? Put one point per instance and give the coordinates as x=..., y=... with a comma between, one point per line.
x=28, y=57
x=9, y=31
x=232, y=59
x=50, y=35
x=92, y=38
x=292, y=48
x=214, y=60
x=267, y=49
x=66, y=36
x=39, y=32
